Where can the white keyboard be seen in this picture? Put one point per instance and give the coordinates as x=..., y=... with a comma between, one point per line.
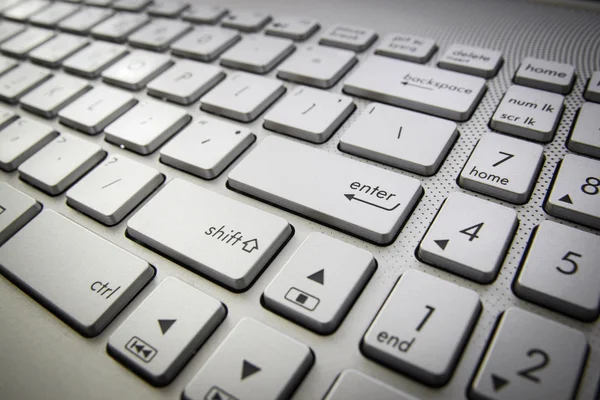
x=309, y=200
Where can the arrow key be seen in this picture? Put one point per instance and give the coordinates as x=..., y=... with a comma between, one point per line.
x=163, y=333
x=469, y=237
x=253, y=362
x=319, y=284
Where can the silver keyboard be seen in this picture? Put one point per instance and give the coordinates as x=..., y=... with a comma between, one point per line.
x=310, y=200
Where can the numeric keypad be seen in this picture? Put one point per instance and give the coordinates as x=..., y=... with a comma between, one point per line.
x=503, y=167
x=406, y=334
x=469, y=237
x=575, y=192
x=530, y=357
x=559, y=271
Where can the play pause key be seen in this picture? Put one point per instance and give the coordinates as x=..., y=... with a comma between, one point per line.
x=161, y=335
x=319, y=284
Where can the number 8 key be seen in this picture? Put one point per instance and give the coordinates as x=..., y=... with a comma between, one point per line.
x=575, y=191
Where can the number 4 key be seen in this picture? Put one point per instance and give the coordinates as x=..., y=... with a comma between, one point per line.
x=470, y=237
x=575, y=193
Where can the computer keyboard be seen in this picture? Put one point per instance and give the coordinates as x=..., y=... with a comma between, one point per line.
x=333, y=199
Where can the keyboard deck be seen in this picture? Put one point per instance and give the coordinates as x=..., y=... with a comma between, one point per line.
x=338, y=227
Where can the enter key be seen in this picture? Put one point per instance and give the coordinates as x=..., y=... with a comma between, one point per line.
x=361, y=199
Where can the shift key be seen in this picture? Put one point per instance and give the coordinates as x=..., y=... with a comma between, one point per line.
x=221, y=238
x=79, y=276
x=364, y=200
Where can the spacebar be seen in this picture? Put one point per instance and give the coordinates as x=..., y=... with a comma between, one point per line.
x=363, y=200
x=82, y=278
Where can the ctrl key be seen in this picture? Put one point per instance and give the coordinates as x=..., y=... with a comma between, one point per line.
x=530, y=357
x=79, y=276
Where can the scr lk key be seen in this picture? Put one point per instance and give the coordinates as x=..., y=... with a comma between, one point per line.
x=529, y=113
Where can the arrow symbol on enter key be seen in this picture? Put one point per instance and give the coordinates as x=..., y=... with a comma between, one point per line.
x=353, y=197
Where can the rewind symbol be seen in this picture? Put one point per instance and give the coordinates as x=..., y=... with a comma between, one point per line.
x=141, y=349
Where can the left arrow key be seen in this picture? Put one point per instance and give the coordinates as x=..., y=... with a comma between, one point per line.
x=157, y=354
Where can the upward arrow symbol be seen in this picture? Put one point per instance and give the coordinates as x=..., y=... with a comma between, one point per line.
x=318, y=276
x=250, y=245
x=566, y=199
